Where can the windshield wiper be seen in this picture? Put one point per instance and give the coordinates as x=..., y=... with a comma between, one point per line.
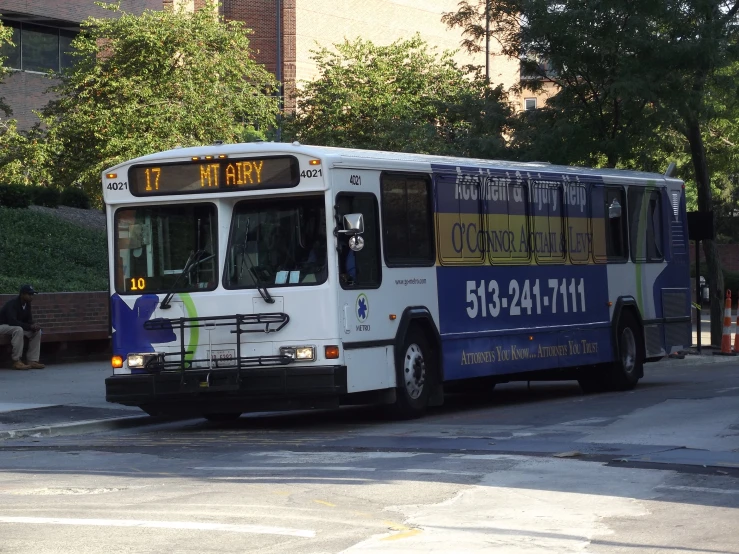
x=266, y=296
x=195, y=258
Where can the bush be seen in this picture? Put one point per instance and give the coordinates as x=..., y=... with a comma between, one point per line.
x=52, y=254
x=45, y=196
x=75, y=198
x=15, y=196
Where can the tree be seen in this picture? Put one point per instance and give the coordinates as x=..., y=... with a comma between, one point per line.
x=146, y=83
x=6, y=35
x=657, y=60
x=400, y=97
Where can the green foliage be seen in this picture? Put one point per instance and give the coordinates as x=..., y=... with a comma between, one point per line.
x=74, y=198
x=401, y=97
x=5, y=39
x=54, y=255
x=146, y=83
x=15, y=196
x=585, y=52
x=45, y=196
x=26, y=157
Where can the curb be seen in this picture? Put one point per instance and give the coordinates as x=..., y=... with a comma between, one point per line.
x=92, y=425
x=690, y=358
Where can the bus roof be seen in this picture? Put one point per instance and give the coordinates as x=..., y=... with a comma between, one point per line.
x=349, y=157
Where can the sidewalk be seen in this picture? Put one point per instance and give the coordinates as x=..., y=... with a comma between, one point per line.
x=61, y=399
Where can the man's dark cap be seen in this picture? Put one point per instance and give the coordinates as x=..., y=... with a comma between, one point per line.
x=27, y=289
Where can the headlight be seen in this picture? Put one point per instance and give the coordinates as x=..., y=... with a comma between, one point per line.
x=138, y=361
x=301, y=353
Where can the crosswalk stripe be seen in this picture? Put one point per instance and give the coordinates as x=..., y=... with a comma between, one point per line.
x=191, y=525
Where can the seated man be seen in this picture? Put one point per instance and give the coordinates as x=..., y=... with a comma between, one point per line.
x=16, y=320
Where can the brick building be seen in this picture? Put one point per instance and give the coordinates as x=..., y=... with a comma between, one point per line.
x=41, y=31
x=285, y=32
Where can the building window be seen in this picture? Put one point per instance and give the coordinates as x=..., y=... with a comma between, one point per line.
x=38, y=48
x=12, y=54
x=529, y=104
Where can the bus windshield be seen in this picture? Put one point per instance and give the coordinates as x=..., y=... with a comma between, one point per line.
x=277, y=243
x=154, y=243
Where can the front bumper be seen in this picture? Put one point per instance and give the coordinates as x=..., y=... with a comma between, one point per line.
x=227, y=390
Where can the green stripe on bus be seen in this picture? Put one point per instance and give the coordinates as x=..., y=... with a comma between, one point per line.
x=194, y=331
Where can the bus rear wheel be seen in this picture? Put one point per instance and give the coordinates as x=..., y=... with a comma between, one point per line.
x=227, y=416
x=629, y=365
x=415, y=373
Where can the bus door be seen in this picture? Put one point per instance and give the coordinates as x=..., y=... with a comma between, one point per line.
x=363, y=313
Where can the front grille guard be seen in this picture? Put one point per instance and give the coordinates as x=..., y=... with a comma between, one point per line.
x=252, y=323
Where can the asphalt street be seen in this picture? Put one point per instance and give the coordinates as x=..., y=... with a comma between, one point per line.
x=539, y=468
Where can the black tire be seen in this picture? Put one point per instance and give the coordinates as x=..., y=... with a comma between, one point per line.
x=226, y=416
x=628, y=367
x=415, y=370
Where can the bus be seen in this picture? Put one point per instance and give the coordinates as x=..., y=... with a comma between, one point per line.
x=276, y=276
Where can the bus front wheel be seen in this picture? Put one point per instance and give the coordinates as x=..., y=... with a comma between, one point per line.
x=415, y=373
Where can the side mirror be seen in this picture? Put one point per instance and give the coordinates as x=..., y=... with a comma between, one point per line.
x=356, y=243
x=614, y=210
x=353, y=225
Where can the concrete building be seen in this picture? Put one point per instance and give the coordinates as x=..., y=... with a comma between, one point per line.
x=285, y=32
x=305, y=25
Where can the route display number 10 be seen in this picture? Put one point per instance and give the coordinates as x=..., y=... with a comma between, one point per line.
x=555, y=296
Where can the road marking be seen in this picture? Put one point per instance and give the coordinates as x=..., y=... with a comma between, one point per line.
x=403, y=535
x=285, y=468
x=336, y=468
x=437, y=471
x=325, y=503
x=701, y=489
x=191, y=525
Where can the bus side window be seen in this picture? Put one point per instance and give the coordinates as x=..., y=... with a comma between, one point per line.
x=616, y=237
x=610, y=237
x=547, y=211
x=361, y=269
x=645, y=225
x=407, y=220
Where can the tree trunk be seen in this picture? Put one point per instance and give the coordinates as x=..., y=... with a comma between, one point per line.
x=713, y=264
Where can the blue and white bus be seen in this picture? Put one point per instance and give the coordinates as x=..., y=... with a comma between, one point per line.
x=268, y=276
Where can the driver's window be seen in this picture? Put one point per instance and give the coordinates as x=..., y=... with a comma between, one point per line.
x=277, y=243
x=360, y=269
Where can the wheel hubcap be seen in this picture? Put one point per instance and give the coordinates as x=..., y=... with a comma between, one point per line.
x=414, y=371
x=628, y=350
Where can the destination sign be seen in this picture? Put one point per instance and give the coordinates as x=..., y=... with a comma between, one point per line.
x=214, y=175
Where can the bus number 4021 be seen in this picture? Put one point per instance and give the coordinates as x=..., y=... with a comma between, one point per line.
x=487, y=298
